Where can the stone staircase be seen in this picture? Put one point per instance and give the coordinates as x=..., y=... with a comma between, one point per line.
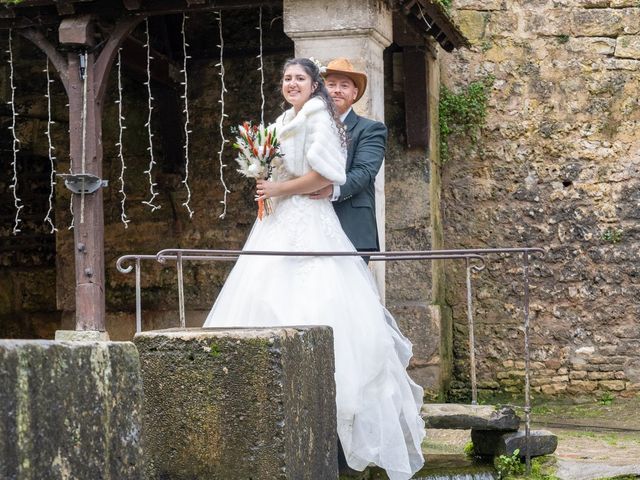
x=494, y=430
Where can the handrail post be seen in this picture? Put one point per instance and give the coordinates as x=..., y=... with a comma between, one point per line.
x=472, y=343
x=180, y=290
x=527, y=366
x=138, y=298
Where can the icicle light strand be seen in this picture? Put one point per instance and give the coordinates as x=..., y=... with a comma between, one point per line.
x=73, y=218
x=152, y=160
x=14, y=186
x=261, y=69
x=121, y=128
x=423, y=17
x=52, y=158
x=85, y=82
x=223, y=140
x=185, y=97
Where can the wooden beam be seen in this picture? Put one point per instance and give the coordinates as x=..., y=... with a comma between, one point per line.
x=429, y=18
x=404, y=33
x=33, y=13
x=58, y=61
x=123, y=28
x=132, y=4
x=65, y=7
x=416, y=96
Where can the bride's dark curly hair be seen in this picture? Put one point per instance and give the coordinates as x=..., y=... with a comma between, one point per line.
x=321, y=91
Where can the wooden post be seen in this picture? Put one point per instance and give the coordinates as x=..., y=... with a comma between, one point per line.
x=88, y=218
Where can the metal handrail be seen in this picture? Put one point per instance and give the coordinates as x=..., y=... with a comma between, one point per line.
x=180, y=255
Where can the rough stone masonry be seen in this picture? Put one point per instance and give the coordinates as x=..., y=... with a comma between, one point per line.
x=557, y=166
x=239, y=403
x=70, y=410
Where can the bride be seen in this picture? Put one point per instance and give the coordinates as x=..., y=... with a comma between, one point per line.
x=378, y=405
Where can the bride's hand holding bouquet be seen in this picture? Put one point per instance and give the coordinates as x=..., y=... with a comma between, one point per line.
x=258, y=154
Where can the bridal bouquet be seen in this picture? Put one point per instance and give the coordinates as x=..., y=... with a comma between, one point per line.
x=258, y=153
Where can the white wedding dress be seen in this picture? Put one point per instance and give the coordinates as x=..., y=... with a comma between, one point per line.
x=378, y=405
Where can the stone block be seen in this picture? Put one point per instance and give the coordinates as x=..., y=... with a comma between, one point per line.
x=473, y=24
x=581, y=386
x=554, y=388
x=492, y=443
x=601, y=22
x=615, y=385
x=464, y=417
x=70, y=410
x=480, y=5
x=577, y=375
x=628, y=46
x=600, y=375
x=82, y=336
x=239, y=403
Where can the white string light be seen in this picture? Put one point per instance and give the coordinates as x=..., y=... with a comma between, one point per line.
x=261, y=69
x=185, y=97
x=223, y=140
x=14, y=186
x=152, y=161
x=52, y=157
x=121, y=128
x=423, y=17
x=85, y=82
x=73, y=218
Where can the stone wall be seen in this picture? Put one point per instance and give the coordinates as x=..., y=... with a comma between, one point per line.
x=556, y=167
x=27, y=259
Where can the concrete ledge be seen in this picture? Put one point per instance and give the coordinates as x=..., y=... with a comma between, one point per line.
x=70, y=410
x=82, y=336
x=480, y=417
x=239, y=403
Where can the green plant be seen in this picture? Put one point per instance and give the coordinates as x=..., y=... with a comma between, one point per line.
x=469, y=449
x=509, y=465
x=540, y=467
x=446, y=4
x=213, y=350
x=612, y=235
x=463, y=113
x=606, y=398
x=563, y=38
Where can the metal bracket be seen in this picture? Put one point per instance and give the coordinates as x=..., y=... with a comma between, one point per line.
x=82, y=182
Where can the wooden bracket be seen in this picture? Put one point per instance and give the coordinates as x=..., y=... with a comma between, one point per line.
x=132, y=4
x=77, y=31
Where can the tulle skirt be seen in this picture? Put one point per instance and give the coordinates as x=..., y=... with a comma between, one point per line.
x=378, y=405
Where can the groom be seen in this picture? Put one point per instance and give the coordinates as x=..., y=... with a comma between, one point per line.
x=355, y=201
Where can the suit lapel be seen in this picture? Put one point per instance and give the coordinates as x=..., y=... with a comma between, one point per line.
x=350, y=122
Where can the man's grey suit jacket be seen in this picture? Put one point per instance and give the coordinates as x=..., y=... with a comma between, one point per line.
x=356, y=206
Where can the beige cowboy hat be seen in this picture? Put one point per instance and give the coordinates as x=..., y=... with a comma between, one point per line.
x=342, y=66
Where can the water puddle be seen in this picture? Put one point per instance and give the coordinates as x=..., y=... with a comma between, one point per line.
x=455, y=467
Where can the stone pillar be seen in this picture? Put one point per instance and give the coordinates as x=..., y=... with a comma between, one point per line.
x=239, y=403
x=70, y=410
x=440, y=310
x=359, y=30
